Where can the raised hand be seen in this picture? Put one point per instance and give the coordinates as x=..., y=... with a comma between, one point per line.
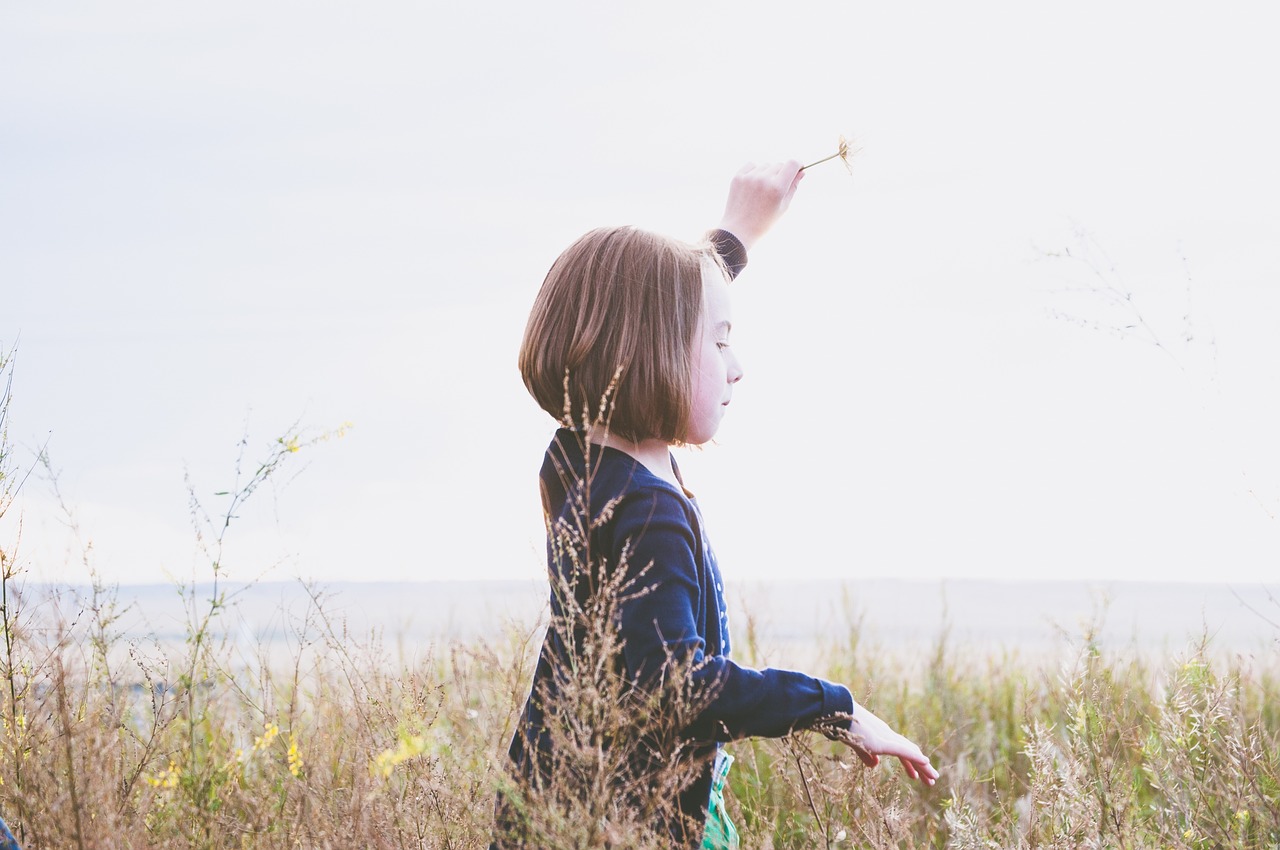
x=758, y=196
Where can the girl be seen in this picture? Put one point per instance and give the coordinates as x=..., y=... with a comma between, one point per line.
x=628, y=346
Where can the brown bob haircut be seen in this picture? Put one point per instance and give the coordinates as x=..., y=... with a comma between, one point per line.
x=610, y=337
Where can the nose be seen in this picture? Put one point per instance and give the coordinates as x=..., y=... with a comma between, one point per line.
x=735, y=368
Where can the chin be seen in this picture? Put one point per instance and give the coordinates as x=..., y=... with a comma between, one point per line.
x=703, y=438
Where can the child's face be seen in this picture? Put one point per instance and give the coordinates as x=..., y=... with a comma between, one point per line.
x=715, y=366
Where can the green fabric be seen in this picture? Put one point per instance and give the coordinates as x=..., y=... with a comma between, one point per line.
x=720, y=833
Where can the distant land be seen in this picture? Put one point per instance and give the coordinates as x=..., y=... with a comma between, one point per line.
x=1027, y=617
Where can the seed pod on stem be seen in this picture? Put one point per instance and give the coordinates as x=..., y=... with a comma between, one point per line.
x=843, y=153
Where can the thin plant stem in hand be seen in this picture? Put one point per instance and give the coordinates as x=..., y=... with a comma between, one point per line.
x=843, y=153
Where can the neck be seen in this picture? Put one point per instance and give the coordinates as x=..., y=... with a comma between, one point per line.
x=654, y=454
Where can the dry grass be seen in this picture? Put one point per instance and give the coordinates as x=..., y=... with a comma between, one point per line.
x=108, y=742
x=348, y=746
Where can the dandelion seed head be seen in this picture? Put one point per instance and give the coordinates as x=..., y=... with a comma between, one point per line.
x=843, y=152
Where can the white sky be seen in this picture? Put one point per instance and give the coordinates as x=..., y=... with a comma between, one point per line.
x=240, y=215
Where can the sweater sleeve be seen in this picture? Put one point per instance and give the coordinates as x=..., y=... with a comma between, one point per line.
x=730, y=249
x=659, y=621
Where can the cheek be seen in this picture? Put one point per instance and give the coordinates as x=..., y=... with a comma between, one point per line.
x=709, y=371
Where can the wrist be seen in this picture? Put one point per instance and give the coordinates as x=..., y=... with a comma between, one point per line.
x=730, y=248
x=741, y=230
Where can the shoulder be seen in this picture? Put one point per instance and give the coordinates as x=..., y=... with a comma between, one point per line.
x=654, y=502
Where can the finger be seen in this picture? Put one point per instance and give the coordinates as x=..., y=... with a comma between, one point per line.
x=791, y=177
x=790, y=191
x=909, y=768
x=925, y=770
x=783, y=174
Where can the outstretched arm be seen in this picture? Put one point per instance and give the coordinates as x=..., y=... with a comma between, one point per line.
x=657, y=540
x=658, y=624
x=758, y=196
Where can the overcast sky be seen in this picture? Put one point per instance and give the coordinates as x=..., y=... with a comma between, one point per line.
x=1033, y=335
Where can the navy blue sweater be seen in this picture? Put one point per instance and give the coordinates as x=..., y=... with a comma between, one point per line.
x=655, y=531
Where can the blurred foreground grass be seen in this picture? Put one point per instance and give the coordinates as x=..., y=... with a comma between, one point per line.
x=112, y=743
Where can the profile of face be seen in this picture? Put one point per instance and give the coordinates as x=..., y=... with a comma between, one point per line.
x=715, y=366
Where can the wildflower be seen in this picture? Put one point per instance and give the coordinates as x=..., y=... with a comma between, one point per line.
x=410, y=746
x=842, y=152
x=295, y=760
x=167, y=779
x=339, y=432
x=268, y=735
x=1242, y=815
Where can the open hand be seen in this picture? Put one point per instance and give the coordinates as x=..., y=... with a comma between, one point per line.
x=870, y=737
x=758, y=196
x=877, y=739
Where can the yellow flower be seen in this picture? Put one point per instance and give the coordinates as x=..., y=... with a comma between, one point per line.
x=295, y=760
x=268, y=735
x=1189, y=834
x=410, y=746
x=168, y=779
x=1242, y=815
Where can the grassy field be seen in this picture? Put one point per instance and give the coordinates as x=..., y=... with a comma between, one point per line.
x=109, y=740
x=109, y=743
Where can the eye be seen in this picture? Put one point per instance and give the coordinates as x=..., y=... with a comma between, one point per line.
x=722, y=345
